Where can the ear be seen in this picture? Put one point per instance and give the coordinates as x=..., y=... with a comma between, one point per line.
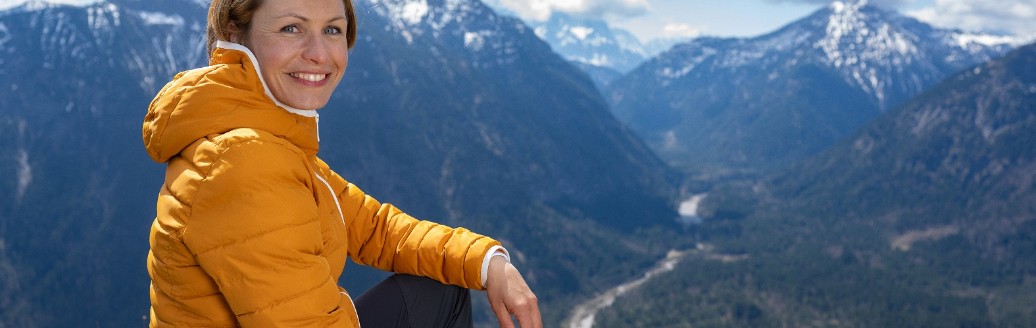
x=235, y=33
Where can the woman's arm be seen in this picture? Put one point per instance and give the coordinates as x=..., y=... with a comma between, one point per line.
x=382, y=236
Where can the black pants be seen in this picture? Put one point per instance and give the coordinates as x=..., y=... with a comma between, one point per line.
x=407, y=301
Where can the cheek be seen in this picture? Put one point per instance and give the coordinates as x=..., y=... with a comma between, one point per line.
x=272, y=56
x=342, y=58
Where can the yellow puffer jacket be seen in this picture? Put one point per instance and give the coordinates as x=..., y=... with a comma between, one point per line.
x=252, y=229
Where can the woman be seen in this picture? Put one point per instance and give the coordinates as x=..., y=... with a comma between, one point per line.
x=253, y=229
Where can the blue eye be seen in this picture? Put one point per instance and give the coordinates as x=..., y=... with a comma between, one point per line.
x=290, y=29
x=332, y=30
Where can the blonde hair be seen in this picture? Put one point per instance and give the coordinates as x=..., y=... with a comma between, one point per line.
x=229, y=18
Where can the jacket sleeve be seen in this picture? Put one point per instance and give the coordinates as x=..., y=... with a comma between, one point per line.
x=382, y=236
x=254, y=230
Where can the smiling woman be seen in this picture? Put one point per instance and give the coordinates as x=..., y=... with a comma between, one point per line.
x=302, y=50
x=253, y=229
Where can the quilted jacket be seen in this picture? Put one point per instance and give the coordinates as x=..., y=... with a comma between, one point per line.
x=253, y=229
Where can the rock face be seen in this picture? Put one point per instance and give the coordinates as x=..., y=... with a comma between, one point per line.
x=454, y=113
x=960, y=155
x=496, y=116
x=764, y=102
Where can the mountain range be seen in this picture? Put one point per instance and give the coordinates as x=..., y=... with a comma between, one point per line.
x=924, y=217
x=892, y=164
x=601, y=50
x=757, y=104
x=592, y=42
x=448, y=110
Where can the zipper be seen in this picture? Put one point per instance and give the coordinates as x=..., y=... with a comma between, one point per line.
x=338, y=205
x=333, y=196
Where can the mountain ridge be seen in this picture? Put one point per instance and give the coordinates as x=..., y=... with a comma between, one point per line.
x=761, y=103
x=924, y=217
x=459, y=124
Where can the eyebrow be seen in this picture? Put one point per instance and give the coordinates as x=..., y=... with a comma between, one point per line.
x=306, y=19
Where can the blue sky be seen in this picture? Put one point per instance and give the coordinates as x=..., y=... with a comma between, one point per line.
x=650, y=19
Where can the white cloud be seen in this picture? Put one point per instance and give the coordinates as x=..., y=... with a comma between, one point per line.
x=541, y=10
x=679, y=30
x=8, y=4
x=1004, y=16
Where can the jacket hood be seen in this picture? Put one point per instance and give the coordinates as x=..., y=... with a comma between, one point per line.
x=228, y=94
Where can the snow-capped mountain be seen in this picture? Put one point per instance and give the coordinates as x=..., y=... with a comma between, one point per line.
x=592, y=42
x=488, y=38
x=924, y=218
x=595, y=42
x=448, y=110
x=888, y=56
x=765, y=101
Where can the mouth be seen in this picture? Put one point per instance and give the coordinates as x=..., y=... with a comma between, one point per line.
x=310, y=77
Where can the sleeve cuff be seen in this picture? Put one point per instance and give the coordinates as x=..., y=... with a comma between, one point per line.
x=493, y=252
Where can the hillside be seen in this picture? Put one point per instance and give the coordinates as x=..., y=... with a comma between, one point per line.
x=762, y=103
x=925, y=217
x=448, y=110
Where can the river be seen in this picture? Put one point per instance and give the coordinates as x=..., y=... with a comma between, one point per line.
x=583, y=314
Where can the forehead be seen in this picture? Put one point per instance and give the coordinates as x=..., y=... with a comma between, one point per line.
x=309, y=9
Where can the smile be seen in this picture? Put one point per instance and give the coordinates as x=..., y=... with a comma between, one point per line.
x=309, y=76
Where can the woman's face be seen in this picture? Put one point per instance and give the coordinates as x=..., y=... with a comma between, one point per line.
x=301, y=48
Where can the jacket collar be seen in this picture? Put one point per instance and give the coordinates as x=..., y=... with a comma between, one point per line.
x=259, y=72
x=228, y=94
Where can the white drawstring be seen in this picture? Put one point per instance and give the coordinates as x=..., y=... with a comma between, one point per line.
x=266, y=88
x=333, y=195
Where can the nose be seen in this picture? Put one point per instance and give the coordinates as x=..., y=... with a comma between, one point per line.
x=315, y=49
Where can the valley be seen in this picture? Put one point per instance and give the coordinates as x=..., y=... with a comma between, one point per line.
x=855, y=167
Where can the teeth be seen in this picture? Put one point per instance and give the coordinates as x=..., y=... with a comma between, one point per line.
x=310, y=77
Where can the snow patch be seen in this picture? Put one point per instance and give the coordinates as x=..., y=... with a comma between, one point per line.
x=670, y=73
x=669, y=140
x=965, y=40
x=24, y=175
x=103, y=18
x=599, y=59
x=5, y=35
x=837, y=6
x=928, y=118
x=475, y=41
x=907, y=240
x=540, y=31
x=156, y=18
x=581, y=32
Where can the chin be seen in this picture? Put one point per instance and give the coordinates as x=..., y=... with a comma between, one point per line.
x=312, y=107
x=308, y=105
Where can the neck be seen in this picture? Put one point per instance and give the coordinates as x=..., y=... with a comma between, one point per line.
x=266, y=89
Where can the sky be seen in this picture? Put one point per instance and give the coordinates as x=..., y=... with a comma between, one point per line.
x=8, y=4
x=650, y=19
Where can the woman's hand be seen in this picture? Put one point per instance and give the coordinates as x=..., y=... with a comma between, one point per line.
x=509, y=294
